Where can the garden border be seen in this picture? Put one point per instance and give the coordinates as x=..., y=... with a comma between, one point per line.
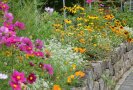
x=104, y=74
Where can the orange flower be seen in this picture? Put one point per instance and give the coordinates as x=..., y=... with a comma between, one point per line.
x=82, y=50
x=80, y=74
x=56, y=87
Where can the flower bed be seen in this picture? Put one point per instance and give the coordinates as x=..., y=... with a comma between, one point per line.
x=74, y=57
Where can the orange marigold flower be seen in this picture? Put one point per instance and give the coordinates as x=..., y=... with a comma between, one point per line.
x=82, y=50
x=79, y=74
x=56, y=87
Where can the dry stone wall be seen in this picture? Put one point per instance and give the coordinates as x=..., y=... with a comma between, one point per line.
x=104, y=74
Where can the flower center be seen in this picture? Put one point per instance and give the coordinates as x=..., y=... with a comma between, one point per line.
x=18, y=77
x=14, y=85
x=31, y=78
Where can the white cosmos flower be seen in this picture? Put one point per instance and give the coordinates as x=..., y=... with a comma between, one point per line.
x=49, y=10
x=3, y=76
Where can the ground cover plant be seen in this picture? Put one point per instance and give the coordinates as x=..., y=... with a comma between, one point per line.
x=42, y=50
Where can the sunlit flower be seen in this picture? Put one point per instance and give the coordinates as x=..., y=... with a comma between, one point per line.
x=18, y=76
x=67, y=21
x=56, y=87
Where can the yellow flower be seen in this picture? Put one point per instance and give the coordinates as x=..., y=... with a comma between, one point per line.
x=67, y=21
x=72, y=76
x=20, y=58
x=79, y=18
x=94, y=45
x=69, y=79
x=79, y=74
x=74, y=66
x=8, y=53
x=56, y=87
x=29, y=55
x=82, y=41
x=76, y=49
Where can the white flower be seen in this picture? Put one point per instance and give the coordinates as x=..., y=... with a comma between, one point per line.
x=3, y=76
x=49, y=10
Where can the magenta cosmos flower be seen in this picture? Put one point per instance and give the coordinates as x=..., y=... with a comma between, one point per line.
x=39, y=44
x=8, y=17
x=48, y=68
x=89, y=1
x=31, y=78
x=19, y=25
x=18, y=77
x=39, y=54
x=3, y=31
x=15, y=86
x=4, y=7
x=9, y=25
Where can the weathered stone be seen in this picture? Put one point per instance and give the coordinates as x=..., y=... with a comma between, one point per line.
x=97, y=69
x=101, y=84
x=107, y=72
x=116, y=67
x=96, y=86
x=90, y=80
x=129, y=46
x=80, y=88
x=114, y=58
x=123, y=48
x=114, y=78
x=111, y=69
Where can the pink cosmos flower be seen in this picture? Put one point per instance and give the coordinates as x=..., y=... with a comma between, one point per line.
x=4, y=7
x=38, y=53
x=18, y=77
x=8, y=17
x=31, y=78
x=26, y=41
x=48, y=68
x=20, y=25
x=39, y=44
x=89, y=1
x=15, y=86
x=3, y=33
x=9, y=25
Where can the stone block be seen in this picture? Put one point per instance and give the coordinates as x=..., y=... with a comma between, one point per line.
x=96, y=86
x=97, y=69
x=101, y=85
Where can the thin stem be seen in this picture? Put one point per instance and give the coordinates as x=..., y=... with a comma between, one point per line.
x=64, y=13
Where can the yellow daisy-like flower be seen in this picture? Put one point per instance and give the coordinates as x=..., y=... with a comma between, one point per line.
x=82, y=41
x=67, y=21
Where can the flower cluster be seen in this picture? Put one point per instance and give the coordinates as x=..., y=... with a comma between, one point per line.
x=18, y=80
x=91, y=33
x=8, y=35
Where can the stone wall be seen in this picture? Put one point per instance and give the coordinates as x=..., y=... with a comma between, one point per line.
x=104, y=74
